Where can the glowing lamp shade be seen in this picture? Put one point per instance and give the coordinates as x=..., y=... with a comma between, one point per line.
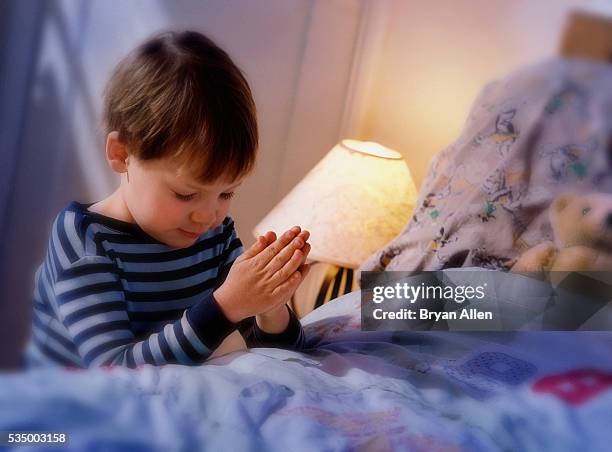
x=354, y=201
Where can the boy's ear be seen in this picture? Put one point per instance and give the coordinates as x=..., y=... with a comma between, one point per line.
x=116, y=153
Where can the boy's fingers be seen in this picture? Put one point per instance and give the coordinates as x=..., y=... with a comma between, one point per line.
x=270, y=237
x=260, y=244
x=277, y=246
x=290, y=267
x=286, y=253
x=287, y=288
x=306, y=250
x=304, y=235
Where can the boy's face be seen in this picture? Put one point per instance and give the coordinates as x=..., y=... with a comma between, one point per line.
x=172, y=206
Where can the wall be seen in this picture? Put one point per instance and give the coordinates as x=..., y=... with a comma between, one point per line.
x=436, y=56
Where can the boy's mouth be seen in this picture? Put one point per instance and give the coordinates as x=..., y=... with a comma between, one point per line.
x=192, y=235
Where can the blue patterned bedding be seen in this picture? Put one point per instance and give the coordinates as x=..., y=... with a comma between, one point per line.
x=352, y=390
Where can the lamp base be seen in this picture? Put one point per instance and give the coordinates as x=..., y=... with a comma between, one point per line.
x=324, y=283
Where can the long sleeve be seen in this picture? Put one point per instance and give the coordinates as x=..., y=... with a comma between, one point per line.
x=291, y=338
x=92, y=307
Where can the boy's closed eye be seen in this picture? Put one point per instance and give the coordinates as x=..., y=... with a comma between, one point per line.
x=189, y=197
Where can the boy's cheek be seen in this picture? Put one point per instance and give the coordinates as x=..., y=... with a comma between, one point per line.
x=177, y=215
x=160, y=213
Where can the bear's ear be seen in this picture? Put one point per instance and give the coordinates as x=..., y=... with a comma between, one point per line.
x=561, y=202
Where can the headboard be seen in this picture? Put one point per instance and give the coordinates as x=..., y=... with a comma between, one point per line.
x=587, y=34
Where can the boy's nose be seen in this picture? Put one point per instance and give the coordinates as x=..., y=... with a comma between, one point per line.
x=204, y=218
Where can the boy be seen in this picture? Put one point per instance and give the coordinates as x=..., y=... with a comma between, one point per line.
x=155, y=273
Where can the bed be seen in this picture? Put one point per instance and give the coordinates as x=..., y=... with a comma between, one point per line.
x=351, y=390
x=391, y=390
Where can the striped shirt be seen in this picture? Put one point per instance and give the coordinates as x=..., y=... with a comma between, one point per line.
x=107, y=293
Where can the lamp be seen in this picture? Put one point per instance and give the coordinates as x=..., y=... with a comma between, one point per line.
x=354, y=201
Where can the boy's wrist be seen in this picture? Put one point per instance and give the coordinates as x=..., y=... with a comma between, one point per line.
x=274, y=321
x=227, y=306
x=209, y=322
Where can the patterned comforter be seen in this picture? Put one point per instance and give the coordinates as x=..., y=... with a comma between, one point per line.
x=352, y=390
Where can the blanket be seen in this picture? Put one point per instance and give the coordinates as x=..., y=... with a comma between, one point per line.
x=350, y=391
x=541, y=131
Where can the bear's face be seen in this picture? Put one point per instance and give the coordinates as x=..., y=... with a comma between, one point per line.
x=583, y=220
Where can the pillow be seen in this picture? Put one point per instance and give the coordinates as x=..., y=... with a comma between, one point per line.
x=544, y=130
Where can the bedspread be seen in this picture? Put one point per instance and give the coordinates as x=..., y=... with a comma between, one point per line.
x=351, y=390
x=541, y=131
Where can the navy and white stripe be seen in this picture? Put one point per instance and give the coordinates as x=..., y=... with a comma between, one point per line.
x=109, y=294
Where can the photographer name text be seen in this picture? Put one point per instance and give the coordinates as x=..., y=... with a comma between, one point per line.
x=426, y=314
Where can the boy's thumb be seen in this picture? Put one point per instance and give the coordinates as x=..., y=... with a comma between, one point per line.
x=256, y=248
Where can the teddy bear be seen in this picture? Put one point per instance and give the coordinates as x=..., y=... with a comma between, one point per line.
x=582, y=228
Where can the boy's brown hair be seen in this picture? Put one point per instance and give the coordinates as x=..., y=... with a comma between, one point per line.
x=179, y=95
